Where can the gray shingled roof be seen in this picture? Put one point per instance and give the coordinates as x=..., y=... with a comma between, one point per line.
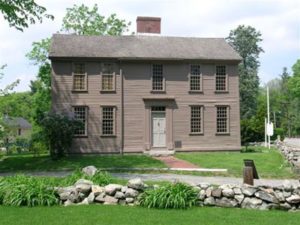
x=19, y=122
x=141, y=47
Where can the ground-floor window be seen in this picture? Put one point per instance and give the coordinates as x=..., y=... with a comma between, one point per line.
x=108, y=120
x=222, y=119
x=80, y=114
x=196, y=119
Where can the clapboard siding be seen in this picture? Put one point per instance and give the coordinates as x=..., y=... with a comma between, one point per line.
x=137, y=85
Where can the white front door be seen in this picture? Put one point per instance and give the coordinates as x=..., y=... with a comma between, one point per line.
x=158, y=129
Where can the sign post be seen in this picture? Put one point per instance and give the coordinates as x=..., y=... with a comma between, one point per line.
x=250, y=172
x=269, y=128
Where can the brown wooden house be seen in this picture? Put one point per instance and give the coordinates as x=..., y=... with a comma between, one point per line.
x=143, y=93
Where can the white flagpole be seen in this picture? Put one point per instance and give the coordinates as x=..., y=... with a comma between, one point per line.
x=265, y=132
x=268, y=107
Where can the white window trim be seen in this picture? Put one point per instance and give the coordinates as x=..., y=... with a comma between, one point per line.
x=201, y=79
x=164, y=79
x=115, y=121
x=215, y=76
x=85, y=78
x=202, y=121
x=228, y=120
x=86, y=120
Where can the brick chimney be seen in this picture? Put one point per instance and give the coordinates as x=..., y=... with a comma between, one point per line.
x=150, y=25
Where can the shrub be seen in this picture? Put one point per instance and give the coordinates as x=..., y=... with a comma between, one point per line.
x=58, y=131
x=23, y=190
x=100, y=178
x=172, y=196
x=280, y=132
x=38, y=143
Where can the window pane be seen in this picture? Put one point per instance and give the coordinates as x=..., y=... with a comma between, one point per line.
x=107, y=82
x=108, y=120
x=79, y=77
x=196, y=119
x=80, y=114
x=79, y=82
x=195, y=78
x=222, y=119
x=220, y=78
x=157, y=77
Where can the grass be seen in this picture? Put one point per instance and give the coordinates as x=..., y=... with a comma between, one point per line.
x=20, y=163
x=116, y=215
x=269, y=163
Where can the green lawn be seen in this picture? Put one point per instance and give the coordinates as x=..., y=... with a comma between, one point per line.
x=269, y=163
x=19, y=163
x=124, y=215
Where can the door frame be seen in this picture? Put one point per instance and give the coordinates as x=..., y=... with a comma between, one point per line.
x=169, y=104
x=152, y=138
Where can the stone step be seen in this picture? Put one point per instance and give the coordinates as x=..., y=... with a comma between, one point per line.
x=157, y=153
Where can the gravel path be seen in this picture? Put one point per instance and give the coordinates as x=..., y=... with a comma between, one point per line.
x=191, y=179
x=293, y=142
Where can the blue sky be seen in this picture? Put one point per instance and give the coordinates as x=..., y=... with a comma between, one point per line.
x=277, y=20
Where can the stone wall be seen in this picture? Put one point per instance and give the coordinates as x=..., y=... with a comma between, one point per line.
x=291, y=153
x=84, y=192
x=285, y=197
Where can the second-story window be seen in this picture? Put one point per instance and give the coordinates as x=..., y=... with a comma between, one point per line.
x=108, y=77
x=195, y=78
x=221, y=78
x=157, y=78
x=79, y=77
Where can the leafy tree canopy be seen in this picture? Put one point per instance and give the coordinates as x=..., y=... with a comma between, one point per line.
x=294, y=82
x=7, y=88
x=39, y=52
x=84, y=21
x=246, y=41
x=20, y=13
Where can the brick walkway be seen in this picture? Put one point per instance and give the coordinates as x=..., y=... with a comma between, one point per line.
x=173, y=162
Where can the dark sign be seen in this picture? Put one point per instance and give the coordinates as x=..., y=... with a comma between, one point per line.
x=250, y=163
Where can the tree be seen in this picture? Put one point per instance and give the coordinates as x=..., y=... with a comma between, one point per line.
x=41, y=88
x=20, y=13
x=84, y=21
x=294, y=82
x=17, y=105
x=6, y=90
x=39, y=52
x=245, y=40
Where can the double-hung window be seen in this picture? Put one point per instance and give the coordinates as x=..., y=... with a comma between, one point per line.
x=80, y=114
x=221, y=79
x=222, y=119
x=196, y=119
x=108, y=77
x=157, y=78
x=79, y=77
x=195, y=78
x=108, y=120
